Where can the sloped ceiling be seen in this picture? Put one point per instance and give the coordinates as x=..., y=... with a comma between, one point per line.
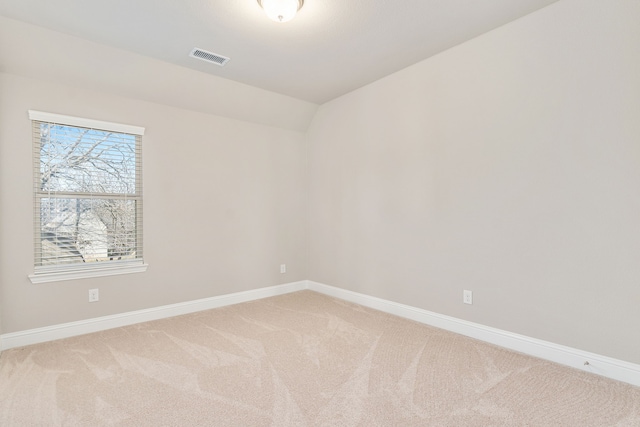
x=332, y=47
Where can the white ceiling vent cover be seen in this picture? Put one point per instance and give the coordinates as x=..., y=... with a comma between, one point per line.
x=209, y=56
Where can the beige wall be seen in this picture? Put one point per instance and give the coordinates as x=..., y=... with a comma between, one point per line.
x=224, y=206
x=510, y=166
x=224, y=176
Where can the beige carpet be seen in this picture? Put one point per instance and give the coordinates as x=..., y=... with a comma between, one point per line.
x=301, y=359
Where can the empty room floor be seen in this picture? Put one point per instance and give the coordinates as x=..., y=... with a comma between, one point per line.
x=300, y=359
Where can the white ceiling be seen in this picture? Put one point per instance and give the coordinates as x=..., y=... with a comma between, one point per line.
x=331, y=47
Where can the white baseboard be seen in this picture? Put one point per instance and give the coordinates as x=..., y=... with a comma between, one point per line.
x=66, y=330
x=597, y=364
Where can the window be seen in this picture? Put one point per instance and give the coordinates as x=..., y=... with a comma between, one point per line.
x=87, y=197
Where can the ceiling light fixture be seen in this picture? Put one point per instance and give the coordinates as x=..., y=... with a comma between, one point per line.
x=281, y=10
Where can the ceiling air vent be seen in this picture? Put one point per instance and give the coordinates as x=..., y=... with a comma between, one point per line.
x=209, y=57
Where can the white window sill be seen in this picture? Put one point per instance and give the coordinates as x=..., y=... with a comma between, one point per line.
x=85, y=273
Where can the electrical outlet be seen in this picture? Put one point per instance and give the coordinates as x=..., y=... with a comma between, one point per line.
x=467, y=297
x=94, y=295
x=283, y=268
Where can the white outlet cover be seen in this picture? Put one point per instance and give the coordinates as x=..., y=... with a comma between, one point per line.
x=467, y=297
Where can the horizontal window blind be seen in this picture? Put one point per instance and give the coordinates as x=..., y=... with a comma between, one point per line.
x=88, y=193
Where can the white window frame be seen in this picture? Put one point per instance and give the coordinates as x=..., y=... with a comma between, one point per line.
x=43, y=274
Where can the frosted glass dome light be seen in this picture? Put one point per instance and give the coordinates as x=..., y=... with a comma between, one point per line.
x=281, y=10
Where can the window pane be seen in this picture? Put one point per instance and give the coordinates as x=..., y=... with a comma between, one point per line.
x=76, y=230
x=88, y=193
x=74, y=159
